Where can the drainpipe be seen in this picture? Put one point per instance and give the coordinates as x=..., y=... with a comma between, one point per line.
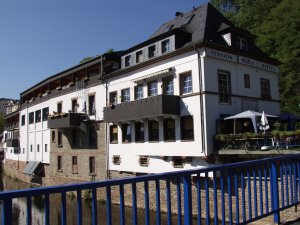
x=201, y=103
x=106, y=126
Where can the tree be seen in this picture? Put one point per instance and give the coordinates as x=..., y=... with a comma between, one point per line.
x=1, y=123
x=85, y=59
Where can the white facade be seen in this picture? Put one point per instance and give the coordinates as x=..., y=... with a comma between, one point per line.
x=126, y=156
x=35, y=137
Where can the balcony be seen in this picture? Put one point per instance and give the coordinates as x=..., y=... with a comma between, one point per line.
x=65, y=120
x=14, y=143
x=155, y=106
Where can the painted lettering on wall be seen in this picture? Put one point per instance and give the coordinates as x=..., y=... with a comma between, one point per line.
x=221, y=55
x=247, y=61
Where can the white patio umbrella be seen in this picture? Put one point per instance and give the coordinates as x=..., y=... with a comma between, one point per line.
x=264, y=124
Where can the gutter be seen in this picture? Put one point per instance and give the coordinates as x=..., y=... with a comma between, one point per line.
x=203, y=132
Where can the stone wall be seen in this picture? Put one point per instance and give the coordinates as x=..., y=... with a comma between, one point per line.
x=76, y=142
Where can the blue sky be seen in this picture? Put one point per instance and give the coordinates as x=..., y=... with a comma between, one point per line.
x=39, y=38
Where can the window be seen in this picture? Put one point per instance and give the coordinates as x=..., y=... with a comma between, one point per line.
x=187, y=128
x=45, y=113
x=76, y=137
x=92, y=108
x=165, y=46
x=126, y=132
x=59, y=107
x=93, y=136
x=153, y=127
x=125, y=95
x=38, y=148
x=59, y=139
x=139, y=132
x=92, y=165
x=127, y=60
x=116, y=160
x=114, y=134
x=23, y=120
x=242, y=44
x=177, y=162
x=169, y=129
x=23, y=150
x=151, y=51
x=265, y=88
x=53, y=136
x=168, y=86
x=31, y=148
x=152, y=88
x=59, y=163
x=144, y=161
x=139, y=56
x=113, y=98
x=74, y=105
x=31, y=118
x=38, y=116
x=46, y=148
x=74, y=164
x=138, y=92
x=246, y=80
x=186, y=83
x=224, y=86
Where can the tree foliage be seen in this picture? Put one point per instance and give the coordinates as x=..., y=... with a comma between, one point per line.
x=1, y=123
x=277, y=25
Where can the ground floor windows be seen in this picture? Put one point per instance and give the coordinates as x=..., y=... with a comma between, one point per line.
x=126, y=133
x=113, y=134
x=139, y=132
x=59, y=163
x=153, y=130
x=181, y=128
x=92, y=165
x=169, y=129
x=74, y=164
x=187, y=128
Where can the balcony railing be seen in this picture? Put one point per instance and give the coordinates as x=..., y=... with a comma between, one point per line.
x=154, y=106
x=291, y=140
x=12, y=143
x=65, y=120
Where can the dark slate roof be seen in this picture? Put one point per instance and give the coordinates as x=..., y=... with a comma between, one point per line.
x=206, y=24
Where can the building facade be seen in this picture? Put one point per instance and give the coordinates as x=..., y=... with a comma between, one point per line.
x=151, y=108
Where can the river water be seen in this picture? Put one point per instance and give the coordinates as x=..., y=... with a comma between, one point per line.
x=19, y=209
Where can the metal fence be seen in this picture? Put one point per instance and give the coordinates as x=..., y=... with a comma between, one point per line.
x=236, y=193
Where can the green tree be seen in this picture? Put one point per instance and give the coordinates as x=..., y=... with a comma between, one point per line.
x=1, y=123
x=85, y=59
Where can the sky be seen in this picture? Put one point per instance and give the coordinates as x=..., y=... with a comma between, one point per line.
x=39, y=38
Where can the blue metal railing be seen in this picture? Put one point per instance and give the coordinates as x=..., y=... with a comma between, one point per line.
x=236, y=193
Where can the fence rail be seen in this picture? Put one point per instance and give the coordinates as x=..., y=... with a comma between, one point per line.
x=236, y=193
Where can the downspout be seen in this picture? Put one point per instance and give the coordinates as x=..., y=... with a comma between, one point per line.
x=201, y=103
x=105, y=127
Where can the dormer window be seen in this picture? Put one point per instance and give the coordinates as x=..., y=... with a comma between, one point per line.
x=127, y=60
x=242, y=44
x=151, y=51
x=165, y=46
x=139, y=56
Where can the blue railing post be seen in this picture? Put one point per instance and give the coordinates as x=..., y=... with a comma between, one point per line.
x=275, y=194
x=7, y=212
x=187, y=199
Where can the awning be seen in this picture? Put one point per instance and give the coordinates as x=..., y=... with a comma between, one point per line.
x=31, y=167
x=154, y=76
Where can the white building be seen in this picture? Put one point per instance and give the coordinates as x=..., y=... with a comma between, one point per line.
x=154, y=107
x=172, y=88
